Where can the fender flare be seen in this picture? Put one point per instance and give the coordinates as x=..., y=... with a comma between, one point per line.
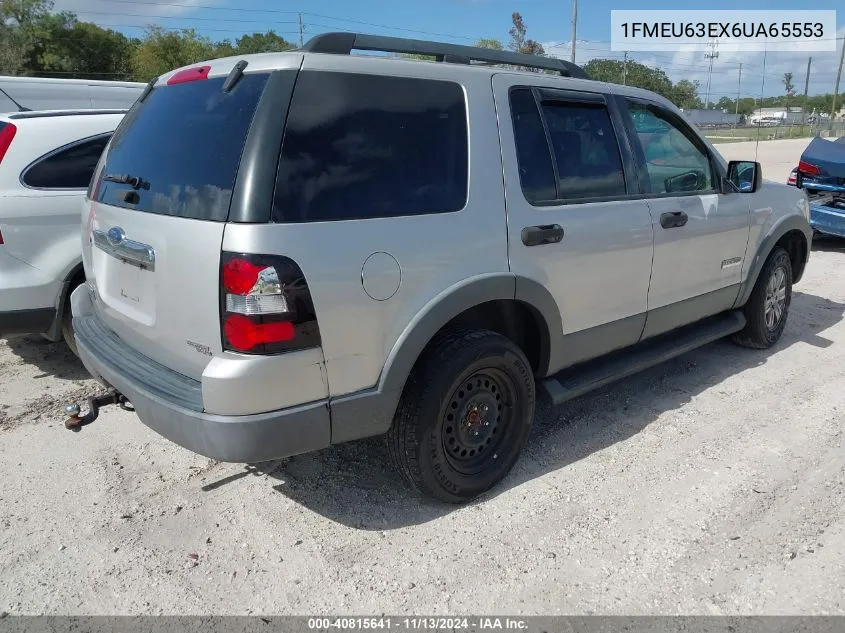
x=767, y=244
x=371, y=412
x=55, y=331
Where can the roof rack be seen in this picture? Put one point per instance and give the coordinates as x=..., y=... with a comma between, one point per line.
x=344, y=43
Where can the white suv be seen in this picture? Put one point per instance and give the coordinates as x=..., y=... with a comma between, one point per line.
x=46, y=162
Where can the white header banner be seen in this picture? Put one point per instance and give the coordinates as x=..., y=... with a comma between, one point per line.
x=799, y=30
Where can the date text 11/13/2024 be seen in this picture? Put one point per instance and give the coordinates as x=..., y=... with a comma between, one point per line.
x=416, y=623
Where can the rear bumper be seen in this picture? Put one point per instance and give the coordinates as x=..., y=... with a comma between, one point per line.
x=828, y=220
x=171, y=404
x=35, y=321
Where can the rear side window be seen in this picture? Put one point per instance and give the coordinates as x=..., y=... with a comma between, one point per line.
x=586, y=151
x=536, y=173
x=71, y=167
x=565, y=150
x=366, y=146
x=183, y=144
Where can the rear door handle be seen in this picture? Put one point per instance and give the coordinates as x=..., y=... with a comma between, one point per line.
x=544, y=234
x=673, y=219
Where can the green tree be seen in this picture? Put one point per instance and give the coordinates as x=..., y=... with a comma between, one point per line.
x=268, y=42
x=684, y=94
x=519, y=41
x=161, y=51
x=23, y=12
x=638, y=75
x=224, y=48
x=17, y=39
x=788, y=86
x=486, y=42
x=82, y=50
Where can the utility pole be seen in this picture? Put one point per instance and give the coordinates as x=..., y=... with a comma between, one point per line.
x=806, y=90
x=575, y=27
x=836, y=88
x=625, y=70
x=738, y=87
x=713, y=54
x=301, y=31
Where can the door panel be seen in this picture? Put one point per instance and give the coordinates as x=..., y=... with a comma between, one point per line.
x=598, y=270
x=700, y=234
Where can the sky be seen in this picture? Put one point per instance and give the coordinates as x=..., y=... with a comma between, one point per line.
x=465, y=21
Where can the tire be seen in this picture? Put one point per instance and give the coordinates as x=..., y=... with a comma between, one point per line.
x=765, y=322
x=464, y=416
x=67, y=324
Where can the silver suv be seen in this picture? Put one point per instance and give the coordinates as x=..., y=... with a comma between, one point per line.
x=291, y=250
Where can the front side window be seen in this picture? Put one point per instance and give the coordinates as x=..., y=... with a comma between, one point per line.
x=69, y=168
x=675, y=163
x=367, y=146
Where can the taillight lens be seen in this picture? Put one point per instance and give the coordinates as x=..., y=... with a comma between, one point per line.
x=793, y=177
x=265, y=305
x=245, y=334
x=809, y=169
x=7, y=135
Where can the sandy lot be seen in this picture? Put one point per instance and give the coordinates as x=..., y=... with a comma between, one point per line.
x=713, y=484
x=778, y=157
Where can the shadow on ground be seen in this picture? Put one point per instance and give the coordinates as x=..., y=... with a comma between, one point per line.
x=829, y=244
x=355, y=485
x=52, y=359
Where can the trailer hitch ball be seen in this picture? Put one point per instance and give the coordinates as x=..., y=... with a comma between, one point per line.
x=75, y=421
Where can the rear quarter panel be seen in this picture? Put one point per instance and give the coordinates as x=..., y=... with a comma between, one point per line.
x=434, y=252
x=42, y=226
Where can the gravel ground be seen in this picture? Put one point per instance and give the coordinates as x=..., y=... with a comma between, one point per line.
x=713, y=484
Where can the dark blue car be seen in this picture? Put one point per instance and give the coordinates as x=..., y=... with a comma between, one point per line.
x=821, y=172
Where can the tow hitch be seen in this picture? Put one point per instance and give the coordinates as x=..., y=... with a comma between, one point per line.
x=75, y=422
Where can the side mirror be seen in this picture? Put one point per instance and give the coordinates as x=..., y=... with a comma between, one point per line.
x=744, y=176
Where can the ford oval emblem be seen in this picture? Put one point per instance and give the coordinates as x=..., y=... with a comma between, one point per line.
x=115, y=235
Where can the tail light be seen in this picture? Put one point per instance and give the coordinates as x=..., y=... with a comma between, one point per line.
x=7, y=135
x=1, y=237
x=808, y=169
x=793, y=178
x=265, y=305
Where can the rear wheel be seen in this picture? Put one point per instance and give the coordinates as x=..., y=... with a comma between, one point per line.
x=768, y=307
x=464, y=416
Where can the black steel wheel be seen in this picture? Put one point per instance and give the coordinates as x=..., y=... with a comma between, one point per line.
x=464, y=416
x=477, y=420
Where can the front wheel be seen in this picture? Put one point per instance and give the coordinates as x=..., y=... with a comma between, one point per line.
x=768, y=307
x=464, y=416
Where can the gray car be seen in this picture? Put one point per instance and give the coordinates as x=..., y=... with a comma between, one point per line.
x=291, y=250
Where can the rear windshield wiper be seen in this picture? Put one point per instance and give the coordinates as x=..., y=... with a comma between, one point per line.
x=126, y=179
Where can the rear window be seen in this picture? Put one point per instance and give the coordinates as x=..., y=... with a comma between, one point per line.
x=367, y=146
x=184, y=144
